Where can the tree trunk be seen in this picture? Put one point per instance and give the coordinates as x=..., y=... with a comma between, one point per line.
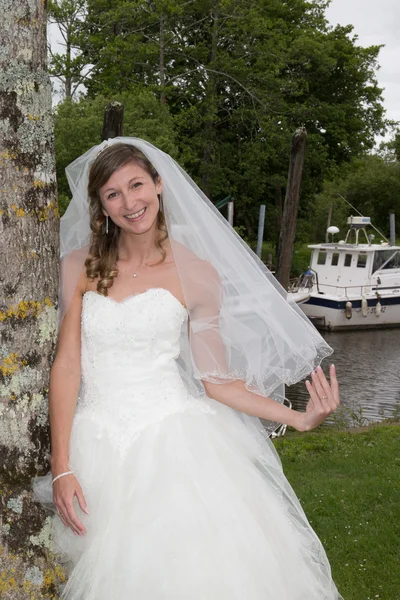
x=163, y=97
x=113, y=120
x=290, y=209
x=29, y=259
x=68, y=76
x=209, y=132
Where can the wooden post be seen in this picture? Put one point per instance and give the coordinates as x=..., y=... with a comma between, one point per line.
x=261, y=221
x=113, y=121
x=290, y=209
x=329, y=222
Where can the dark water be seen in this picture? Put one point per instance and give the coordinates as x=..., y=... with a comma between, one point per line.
x=368, y=367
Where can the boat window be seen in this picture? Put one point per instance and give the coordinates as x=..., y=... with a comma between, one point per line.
x=321, y=258
x=347, y=260
x=362, y=260
x=386, y=259
x=335, y=259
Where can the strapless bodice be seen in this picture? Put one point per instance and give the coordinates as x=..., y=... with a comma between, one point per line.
x=130, y=377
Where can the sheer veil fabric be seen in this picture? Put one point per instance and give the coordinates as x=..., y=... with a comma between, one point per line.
x=241, y=326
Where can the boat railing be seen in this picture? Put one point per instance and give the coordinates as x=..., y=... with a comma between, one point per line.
x=350, y=290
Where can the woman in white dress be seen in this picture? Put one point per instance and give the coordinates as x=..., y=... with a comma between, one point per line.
x=164, y=482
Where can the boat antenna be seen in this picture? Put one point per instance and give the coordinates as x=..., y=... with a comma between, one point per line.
x=354, y=208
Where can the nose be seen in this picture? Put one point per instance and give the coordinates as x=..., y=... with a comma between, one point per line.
x=130, y=199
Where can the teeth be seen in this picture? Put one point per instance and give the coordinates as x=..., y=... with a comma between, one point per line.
x=135, y=215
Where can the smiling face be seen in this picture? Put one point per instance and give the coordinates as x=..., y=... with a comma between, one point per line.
x=130, y=199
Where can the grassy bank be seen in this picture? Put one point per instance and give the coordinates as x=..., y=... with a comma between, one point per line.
x=349, y=486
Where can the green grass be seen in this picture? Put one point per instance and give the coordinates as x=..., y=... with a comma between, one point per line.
x=349, y=486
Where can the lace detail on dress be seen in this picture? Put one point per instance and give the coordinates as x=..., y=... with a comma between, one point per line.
x=130, y=378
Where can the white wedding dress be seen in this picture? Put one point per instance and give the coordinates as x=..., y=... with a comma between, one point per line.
x=184, y=502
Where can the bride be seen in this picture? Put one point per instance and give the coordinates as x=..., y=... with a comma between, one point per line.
x=174, y=338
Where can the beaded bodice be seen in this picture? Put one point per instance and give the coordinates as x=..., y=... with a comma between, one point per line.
x=130, y=377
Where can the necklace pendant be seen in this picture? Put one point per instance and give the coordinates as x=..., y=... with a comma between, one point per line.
x=135, y=274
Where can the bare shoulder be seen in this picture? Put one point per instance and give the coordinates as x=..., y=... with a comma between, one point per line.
x=74, y=285
x=199, y=278
x=195, y=266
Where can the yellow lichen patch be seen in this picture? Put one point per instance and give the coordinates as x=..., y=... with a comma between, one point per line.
x=53, y=576
x=39, y=184
x=11, y=364
x=7, y=583
x=7, y=154
x=25, y=308
x=22, y=310
x=44, y=212
x=20, y=212
x=33, y=117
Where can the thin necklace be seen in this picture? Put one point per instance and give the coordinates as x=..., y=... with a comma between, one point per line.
x=146, y=264
x=139, y=269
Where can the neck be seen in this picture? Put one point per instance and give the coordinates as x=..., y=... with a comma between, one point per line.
x=138, y=248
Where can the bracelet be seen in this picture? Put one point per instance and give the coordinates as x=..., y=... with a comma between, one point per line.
x=61, y=475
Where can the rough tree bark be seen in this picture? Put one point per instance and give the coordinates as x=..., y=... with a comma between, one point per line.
x=29, y=250
x=290, y=209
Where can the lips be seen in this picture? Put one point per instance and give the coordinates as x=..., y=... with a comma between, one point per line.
x=137, y=215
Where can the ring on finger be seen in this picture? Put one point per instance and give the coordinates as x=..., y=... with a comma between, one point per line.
x=324, y=397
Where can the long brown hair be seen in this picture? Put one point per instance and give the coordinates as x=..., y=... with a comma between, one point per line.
x=103, y=253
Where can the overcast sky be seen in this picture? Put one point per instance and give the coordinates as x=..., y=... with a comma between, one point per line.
x=376, y=22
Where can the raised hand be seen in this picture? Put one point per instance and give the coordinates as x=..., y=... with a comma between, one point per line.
x=64, y=492
x=324, y=398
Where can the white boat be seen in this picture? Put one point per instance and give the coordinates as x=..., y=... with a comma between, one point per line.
x=351, y=285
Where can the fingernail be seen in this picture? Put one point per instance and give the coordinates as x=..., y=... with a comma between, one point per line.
x=86, y=510
x=319, y=368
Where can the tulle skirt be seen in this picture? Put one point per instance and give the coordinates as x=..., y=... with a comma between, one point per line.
x=196, y=508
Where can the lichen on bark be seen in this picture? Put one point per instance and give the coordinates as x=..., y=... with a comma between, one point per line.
x=29, y=250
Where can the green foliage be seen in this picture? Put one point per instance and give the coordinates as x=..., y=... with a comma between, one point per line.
x=236, y=80
x=371, y=184
x=78, y=127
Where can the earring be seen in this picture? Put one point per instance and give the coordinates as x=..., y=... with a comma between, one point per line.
x=161, y=203
x=106, y=224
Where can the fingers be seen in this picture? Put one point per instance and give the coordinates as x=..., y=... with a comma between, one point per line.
x=73, y=521
x=82, y=501
x=324, y=389
x=334, y=384
x=63, y=499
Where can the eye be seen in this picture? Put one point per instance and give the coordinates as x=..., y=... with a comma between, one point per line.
x=137, y=184
x=111, y=196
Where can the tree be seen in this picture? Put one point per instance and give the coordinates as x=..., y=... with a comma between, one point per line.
x=78, y=126
x=29, y=251
x=68, y=68
x=371, y=184
x=238, y=79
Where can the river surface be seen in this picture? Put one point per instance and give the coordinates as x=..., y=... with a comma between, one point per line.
x=368, y=368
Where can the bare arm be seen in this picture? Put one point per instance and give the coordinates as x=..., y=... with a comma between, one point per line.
x=64, y=385
x=324, y=399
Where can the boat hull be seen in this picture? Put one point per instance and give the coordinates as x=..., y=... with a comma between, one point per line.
x=329, y=313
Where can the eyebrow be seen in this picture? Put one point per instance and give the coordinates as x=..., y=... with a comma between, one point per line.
x=130, y=181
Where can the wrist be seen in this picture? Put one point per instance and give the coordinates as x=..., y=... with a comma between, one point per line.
x=298, y=421
x=59, y=464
